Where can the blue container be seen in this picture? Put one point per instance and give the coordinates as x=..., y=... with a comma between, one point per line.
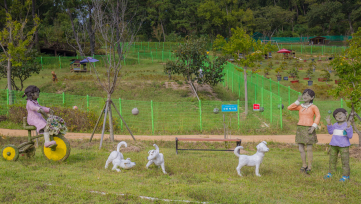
x=310, y=83
x=285, y=78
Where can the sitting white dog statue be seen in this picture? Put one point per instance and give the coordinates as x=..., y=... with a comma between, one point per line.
x=254, y=160
x=118, y=160
x=156, y=158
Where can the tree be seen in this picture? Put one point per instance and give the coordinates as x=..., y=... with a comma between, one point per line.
x=241, y=42
x=114, y=26
x=15, y=41
x=326, y=75
x=195, y=65
x=23, y=69
x=349, y=73
x=293, y=72
x=278, y=70
x=309, y=73
x=157, y=32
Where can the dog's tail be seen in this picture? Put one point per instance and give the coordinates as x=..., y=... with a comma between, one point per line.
x=236, y=150
x=120, y=144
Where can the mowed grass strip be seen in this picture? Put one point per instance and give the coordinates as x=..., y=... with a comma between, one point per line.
x=192, y=175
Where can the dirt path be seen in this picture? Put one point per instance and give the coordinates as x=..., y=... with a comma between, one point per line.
x=322, y=138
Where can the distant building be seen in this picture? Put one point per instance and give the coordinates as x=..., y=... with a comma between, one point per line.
x=318, y=40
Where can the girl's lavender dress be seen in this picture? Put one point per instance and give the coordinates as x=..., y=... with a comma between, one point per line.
x=54, y=124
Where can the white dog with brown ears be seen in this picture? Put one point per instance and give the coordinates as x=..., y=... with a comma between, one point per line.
x=118, y=160
x=156, y=158
x=254, y=160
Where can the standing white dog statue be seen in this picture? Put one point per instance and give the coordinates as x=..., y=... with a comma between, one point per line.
x=156, y=158
x=254, y=160
x=118, y=160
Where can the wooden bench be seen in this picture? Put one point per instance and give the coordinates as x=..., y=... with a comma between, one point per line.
x=238, y=141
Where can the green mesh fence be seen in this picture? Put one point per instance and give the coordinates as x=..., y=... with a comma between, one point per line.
x=314, y=49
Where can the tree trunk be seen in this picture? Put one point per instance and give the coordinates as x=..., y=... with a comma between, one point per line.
x=111, y=132
x=36, y=38
x=91, y=33
x=162, y=30
x=350, y=23
x=11, y=100
x=245, y=91
x=5, y=6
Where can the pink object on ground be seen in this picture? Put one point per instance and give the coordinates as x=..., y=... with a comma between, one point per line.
x=48, y=144
x=35, y=118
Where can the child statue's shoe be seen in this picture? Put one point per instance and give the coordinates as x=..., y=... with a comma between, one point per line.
x=344, y=178
x=50, y=144
x=329, y=175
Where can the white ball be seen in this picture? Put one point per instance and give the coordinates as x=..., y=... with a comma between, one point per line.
x=75, y=107
x=135, y=111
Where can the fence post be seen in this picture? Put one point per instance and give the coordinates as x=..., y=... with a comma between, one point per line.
x=63, y=99
x=151, y=108
x=163, y=45
x=141, y=45
x=87, y=102
x=311, y=49
x=138, y=58
x=41, y=62
x=278, y=87
x=120, y=111
x=232, y=82
x=271, y=107
x=289, y=95
x=301, y=48
x=238, y=113
x=59, y=62
x=255, y=93
x=200, y=115
x=262, y=99
x=239, y=86
x=270, y=85
x=162, y=55
x=151, y=54
x=322, y=49
x=341, y=103
x=281, y=112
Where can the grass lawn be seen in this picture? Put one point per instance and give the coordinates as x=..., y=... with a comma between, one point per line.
x=193, y=176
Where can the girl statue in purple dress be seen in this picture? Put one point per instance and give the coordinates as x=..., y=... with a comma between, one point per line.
x=51, y=125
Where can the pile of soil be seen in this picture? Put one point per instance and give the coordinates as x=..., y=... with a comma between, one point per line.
x=356, y=153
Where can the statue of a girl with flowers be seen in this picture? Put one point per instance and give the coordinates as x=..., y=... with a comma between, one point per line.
x=43, y=118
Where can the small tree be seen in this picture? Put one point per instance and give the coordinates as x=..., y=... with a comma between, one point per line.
x=284, y=66
x=22, y=69
x=270, y=64
x=349, y=72
x=293, y=72
x=241, y=42
x=195, y=65
x=266, y=71
x=15, y=41
x=326, y=75
x=157, y=32
x=309, y=73
x=312, y=65
x=278, y=70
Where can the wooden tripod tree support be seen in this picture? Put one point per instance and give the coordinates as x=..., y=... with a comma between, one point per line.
x=106, y=108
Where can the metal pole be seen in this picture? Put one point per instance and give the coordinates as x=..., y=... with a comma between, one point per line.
x=341, y=103
x=281, y=112
x=238, y=113
x=87, y=102
x=224, y=127
x=200, y=114
x=123, y=121
x=151, y=54
x=96, y=124
x=262, y=98
x=63, y=99
x=271, y=106
x=105, y=120
x=151, y=108
x=232, y=82
x=239, y=86
x=278, y=87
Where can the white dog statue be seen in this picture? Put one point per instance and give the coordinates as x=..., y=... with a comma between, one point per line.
x=254, y=160
x=118, y=160
x=156, y=158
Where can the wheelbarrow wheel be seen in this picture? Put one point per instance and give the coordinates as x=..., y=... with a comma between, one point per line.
x=59, y=153
x=10, y=153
